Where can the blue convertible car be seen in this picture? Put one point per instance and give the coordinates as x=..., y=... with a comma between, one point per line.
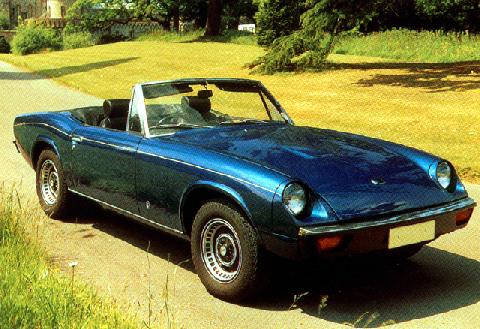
x=219, y=162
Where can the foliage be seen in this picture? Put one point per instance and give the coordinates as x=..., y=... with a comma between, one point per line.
x=32, y=39
x=277, y=18
x=456, y=15
x=78, y=40
x=413, y=46
x=94, y=15
x=35, y=295
x=236, y=12
x=111, y=38
x=4, y=20
x=4, y=46
x=171, y=36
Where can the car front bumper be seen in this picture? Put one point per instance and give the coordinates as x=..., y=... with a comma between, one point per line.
x=359, y=237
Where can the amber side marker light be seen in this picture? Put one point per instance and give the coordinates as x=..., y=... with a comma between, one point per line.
x=462, y=217
x=329, y=243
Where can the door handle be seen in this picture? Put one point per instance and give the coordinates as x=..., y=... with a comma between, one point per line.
x=76, y=140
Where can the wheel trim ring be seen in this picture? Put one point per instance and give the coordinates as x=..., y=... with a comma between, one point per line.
x=49, y=182
x=208, y=251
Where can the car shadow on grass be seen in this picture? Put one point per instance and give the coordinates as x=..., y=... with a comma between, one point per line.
x=432, y=77
x=62, y=71
x=358, y=292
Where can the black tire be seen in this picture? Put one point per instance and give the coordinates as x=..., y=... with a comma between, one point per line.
x=245, y=283
x=55, y=205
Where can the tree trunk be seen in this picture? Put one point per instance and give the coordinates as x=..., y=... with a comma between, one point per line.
x=166, y=23
x=214, y=17
x=176, y=18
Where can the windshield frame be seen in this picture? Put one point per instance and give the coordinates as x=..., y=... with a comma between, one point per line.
x=140, y=98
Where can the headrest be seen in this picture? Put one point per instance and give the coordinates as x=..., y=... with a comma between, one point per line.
x=202, y=105
x=205, y=93
x=116, y=108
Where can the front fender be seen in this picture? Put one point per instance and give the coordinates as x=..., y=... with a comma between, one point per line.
x=42, y=139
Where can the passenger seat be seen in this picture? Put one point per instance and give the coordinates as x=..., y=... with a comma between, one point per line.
x=116, y=114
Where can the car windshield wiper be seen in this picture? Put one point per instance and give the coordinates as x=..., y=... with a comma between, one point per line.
x=178, y=125
x=243, y=121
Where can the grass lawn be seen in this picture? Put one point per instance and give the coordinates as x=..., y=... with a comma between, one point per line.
x=33, y=294
x=413, y=46
x=434, y=107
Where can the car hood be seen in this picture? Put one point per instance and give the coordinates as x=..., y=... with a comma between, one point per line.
x=356, y=176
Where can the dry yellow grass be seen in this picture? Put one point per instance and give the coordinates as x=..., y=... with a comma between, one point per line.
x=434, y=107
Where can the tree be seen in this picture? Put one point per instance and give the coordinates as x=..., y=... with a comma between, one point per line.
x=236, y=12
x=214, y=18
x=277, y=18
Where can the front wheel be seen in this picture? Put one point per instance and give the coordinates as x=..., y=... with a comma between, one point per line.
x=225, y=251
x=52, y=189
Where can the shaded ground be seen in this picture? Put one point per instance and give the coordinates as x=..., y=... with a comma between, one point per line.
x=440, y=287
x=431, y=77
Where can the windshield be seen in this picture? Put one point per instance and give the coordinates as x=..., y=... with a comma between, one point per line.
x=178, y=105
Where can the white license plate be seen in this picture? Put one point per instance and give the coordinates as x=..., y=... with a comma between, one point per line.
x=411, y=234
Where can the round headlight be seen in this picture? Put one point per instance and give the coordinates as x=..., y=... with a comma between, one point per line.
x=294, y=198
x=444, y=174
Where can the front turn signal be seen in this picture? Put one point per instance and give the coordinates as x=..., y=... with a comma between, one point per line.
x=329, y=243
x=463, y=216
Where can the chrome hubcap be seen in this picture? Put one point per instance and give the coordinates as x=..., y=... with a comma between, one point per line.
x=49, y=182
x=221, y=252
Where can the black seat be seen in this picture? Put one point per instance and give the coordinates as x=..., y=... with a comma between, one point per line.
x=201, y=105
x=116, y=114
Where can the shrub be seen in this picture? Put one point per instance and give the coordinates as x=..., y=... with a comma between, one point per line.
x=78, y=40
x=32, y=39
x=112, y=38
x=4, y=21
x=4, y=46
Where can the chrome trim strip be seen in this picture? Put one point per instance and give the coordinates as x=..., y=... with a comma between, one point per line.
x=399, y=219
x=131, y=214
x=118, y=147
x=206, y=169
x=40, y=124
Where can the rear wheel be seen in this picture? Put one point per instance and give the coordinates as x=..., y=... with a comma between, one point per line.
x=225, y=251
x=52, y=189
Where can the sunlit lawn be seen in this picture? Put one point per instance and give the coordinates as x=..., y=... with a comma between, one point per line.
x=435, y=107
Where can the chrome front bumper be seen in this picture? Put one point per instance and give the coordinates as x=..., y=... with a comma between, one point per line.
x=397, y=220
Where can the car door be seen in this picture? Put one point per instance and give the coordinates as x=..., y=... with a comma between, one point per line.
x=104, y=165
x=161, y=181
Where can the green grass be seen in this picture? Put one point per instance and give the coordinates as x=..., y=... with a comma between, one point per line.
x=230, y=36
x=430, y=107
x=413, y=46
x=33, y=294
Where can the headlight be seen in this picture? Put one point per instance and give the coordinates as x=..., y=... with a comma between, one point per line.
x=444, y=174
x=294, y=198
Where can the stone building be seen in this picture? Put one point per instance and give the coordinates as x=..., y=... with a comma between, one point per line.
x=25, y=9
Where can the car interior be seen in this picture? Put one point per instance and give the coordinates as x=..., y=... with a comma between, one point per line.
x=114, y=112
